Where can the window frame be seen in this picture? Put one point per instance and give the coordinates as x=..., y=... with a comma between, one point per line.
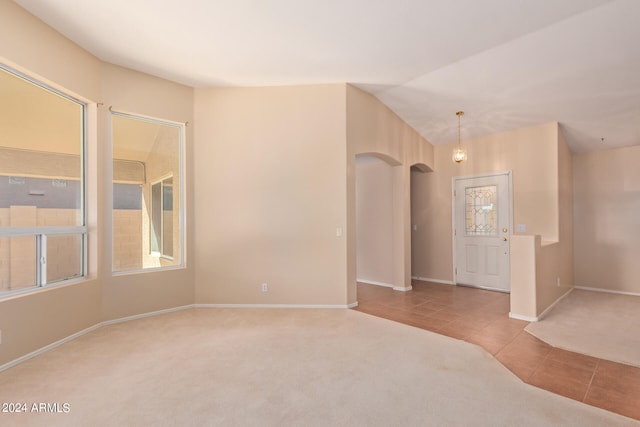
x=40, y=233
x=159, y=253
x=180, y=173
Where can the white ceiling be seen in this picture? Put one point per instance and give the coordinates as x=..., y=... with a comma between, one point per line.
x=507, y=63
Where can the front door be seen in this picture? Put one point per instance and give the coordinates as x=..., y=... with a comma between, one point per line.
x=482, y=225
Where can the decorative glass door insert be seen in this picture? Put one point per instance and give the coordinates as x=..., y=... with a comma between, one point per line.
x=481, y=211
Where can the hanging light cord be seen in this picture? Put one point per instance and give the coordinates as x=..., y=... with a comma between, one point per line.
x=458, y=130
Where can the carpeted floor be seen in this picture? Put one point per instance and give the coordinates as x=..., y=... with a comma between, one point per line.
x=272, y=367
x=598, y=324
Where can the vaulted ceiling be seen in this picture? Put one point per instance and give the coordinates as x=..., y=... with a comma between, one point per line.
x=507, y=63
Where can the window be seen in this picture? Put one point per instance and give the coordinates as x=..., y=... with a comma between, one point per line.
x=42, y=213
x=147, y=193
x=162, y=218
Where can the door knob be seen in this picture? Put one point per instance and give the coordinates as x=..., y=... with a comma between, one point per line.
x=505, y=229
x=504, y=239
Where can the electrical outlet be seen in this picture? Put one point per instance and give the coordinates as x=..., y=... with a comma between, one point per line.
x=558, y=281
x=265, y=287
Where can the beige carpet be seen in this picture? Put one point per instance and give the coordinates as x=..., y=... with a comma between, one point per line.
x=279, y=367
x=598, y=324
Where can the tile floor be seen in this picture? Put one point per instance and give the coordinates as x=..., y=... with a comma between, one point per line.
x=482, y=317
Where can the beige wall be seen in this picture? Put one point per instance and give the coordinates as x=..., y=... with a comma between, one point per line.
x=542, y=271
x=270, y=193
x=32, y=321
x=555, y=261
x=530, y=153
x=607, y=219
x=524, y=251
x=276, y=178
x=137, y=93
x=29, y=322
x=373, y=129
x=541, y=166
x=273, y=189
x=270, y=198
x=541, y=162
x=28, y=44
x=374, y=222
x=5, y=252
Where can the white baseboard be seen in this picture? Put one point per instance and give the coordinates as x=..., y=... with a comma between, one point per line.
x=427, y=279
x=373, y=282
x=544, y=313
x=386, y=285
x=608, y=291
x=46, y=348
x=143, y=315
x=275, y=305
x=548, y=309
x=521, y=317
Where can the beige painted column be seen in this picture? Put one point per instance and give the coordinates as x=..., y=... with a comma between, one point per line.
x=401, y=228
x=352, y=285
x=523, y=276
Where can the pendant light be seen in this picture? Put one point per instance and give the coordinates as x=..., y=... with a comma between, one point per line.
x=459, y=154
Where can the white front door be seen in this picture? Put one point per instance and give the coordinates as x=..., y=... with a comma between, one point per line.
x=482, y=226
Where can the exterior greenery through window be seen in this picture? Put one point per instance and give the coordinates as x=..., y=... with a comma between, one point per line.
x=147, y=193
x=42, y=183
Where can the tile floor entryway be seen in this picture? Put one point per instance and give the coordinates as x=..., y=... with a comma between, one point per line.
x=482, y=317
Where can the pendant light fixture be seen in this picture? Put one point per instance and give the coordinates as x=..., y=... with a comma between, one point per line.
x=459, y=154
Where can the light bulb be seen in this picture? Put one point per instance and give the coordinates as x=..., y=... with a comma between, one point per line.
x=459, y=155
